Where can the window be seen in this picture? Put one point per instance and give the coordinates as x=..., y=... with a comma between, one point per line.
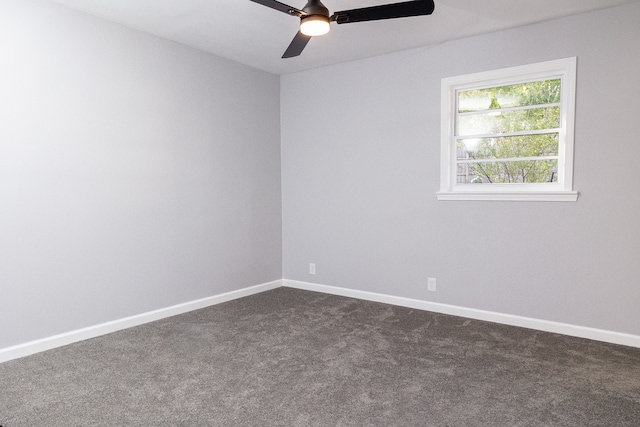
x=508, y=134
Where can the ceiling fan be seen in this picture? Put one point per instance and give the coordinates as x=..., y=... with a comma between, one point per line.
x=315, y=18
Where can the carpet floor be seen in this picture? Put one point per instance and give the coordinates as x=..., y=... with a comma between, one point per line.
x=289, y=357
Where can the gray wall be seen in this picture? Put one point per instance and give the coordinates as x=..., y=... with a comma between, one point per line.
x=360, y=169
x=135, y=173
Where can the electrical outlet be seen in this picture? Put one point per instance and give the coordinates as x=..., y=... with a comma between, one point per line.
x=312, y=268
x=431, y=284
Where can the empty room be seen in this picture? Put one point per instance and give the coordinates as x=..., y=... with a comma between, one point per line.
x=344, y=213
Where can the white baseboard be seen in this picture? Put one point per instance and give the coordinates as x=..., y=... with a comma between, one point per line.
x=471, y=313
x=21, y=350
x=60, y=340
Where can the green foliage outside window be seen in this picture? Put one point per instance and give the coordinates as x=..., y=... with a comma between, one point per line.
x=509, y=134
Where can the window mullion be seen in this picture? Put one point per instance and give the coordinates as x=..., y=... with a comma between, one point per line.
x=506, y=159
x=507, y=134
x=507, y=109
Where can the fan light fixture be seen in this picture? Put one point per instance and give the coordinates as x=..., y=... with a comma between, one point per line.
x=315, y=18
x=314, y=25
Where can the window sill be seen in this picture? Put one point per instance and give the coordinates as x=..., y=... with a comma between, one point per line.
x=530, y=196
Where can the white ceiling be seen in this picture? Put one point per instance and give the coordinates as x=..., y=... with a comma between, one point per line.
x=255, y=35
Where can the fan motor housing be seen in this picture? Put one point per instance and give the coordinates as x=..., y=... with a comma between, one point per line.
x=315, y=7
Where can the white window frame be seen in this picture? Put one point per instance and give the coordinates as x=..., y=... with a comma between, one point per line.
x=562, y=190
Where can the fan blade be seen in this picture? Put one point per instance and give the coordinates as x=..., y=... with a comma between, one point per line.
x=297, y=45
x=289, y=10
x=385, y=11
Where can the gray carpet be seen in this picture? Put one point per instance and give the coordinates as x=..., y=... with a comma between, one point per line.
x=295, y=358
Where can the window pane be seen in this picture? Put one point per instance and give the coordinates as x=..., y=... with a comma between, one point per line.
x=521, y=171
x=518, y=95
x=508, y=147
x=509, y=121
